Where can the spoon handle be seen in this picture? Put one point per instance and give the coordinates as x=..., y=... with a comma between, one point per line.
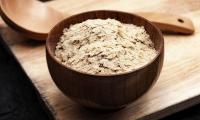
x=165, y=21
x=169, y=22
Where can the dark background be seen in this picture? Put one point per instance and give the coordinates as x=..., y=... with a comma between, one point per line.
x=19, y=100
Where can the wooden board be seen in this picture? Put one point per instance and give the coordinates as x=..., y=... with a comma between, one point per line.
x=178, y=86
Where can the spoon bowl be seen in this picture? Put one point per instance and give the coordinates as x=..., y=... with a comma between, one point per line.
x=30, y=17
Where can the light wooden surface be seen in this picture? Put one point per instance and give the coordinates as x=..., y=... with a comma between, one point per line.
x=177, y=88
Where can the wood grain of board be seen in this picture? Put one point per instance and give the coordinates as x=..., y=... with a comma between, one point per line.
x=178, y=86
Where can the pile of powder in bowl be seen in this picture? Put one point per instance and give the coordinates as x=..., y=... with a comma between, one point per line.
x=104, y=47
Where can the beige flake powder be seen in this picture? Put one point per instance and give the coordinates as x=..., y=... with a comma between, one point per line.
x=104, y=47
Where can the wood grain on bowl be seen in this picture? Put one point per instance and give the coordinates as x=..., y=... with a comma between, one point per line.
x=104, y=91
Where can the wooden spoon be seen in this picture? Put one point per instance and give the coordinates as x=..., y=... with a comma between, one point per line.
x=30, y=17
x=34, y=19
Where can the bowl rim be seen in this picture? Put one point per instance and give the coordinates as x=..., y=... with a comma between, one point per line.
x=105, y=75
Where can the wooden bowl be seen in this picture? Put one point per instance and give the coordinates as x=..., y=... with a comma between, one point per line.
x=104, y=91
